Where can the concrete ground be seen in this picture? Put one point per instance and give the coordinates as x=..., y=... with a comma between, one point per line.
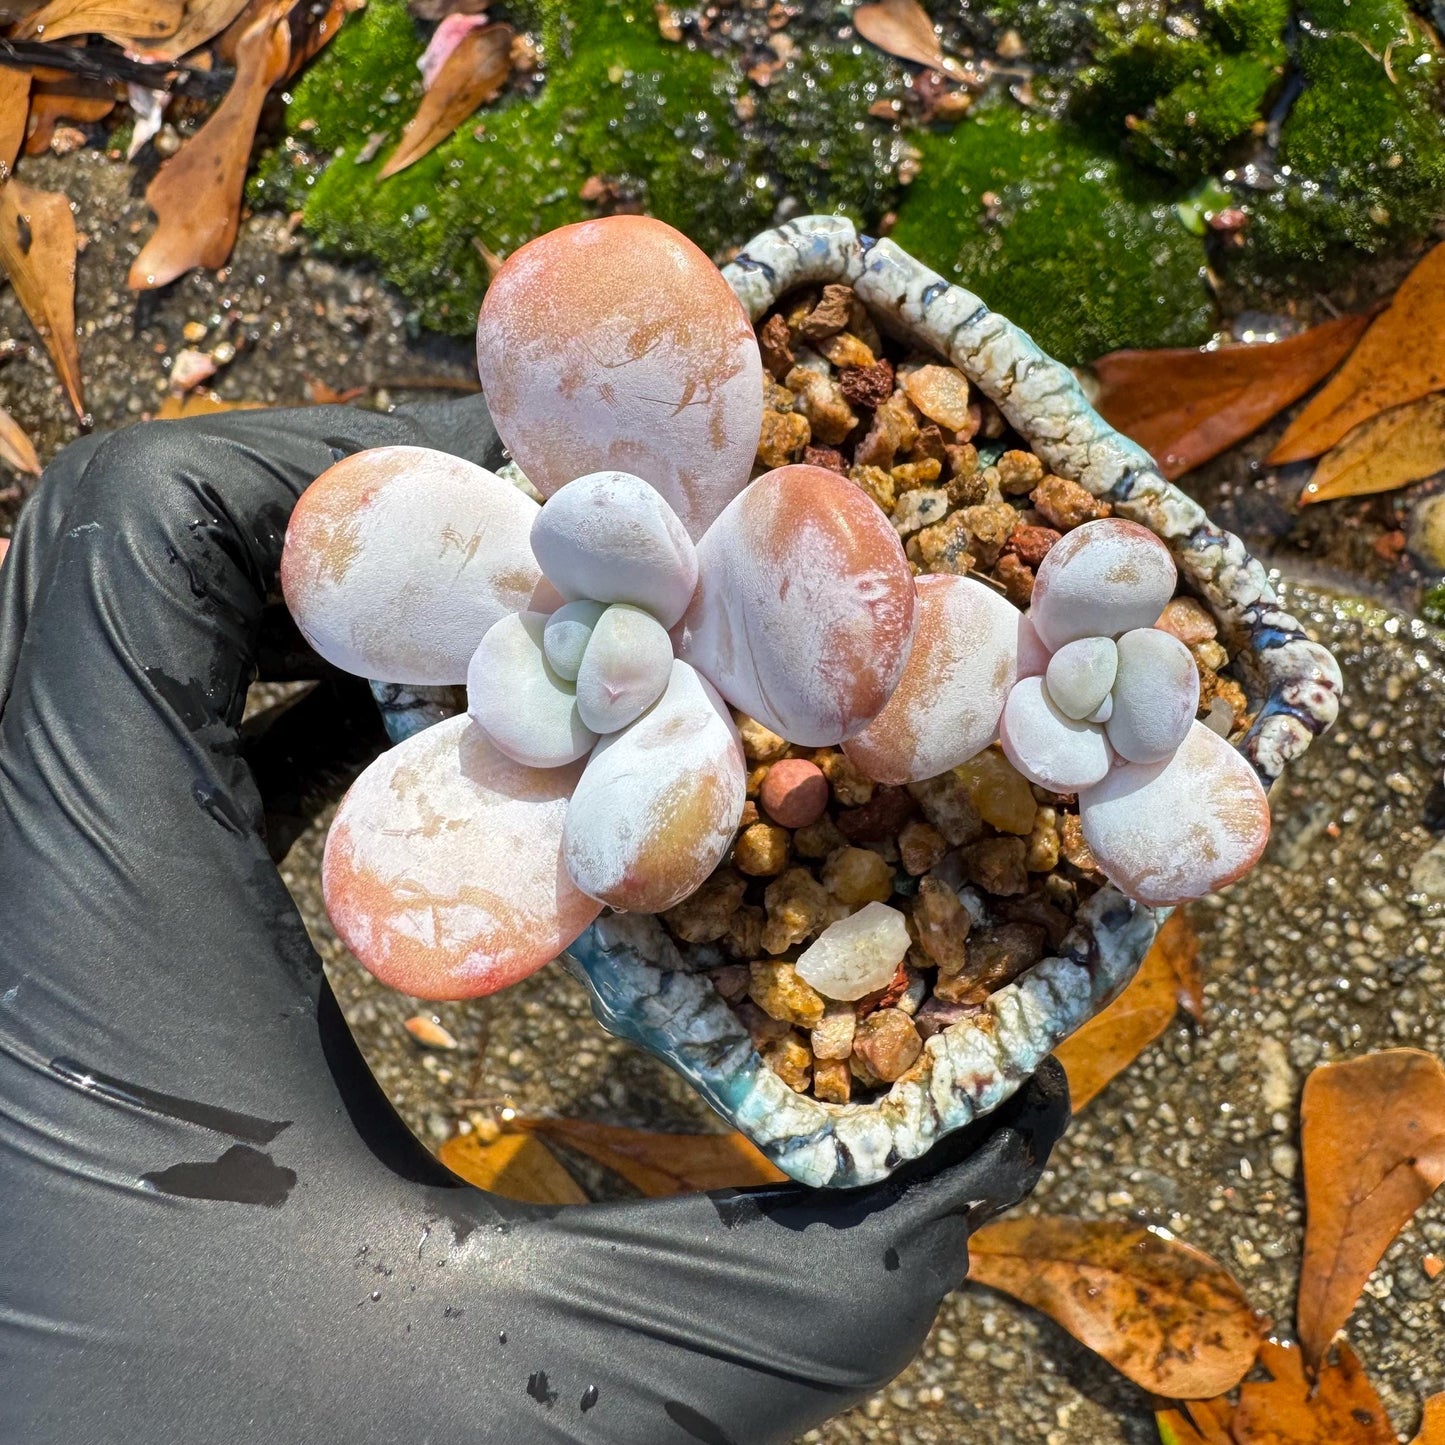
x=1331, y=948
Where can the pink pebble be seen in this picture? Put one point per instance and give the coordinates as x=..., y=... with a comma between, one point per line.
x=795, y=792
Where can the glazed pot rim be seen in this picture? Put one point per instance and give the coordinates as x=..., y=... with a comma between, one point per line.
x=640, y=986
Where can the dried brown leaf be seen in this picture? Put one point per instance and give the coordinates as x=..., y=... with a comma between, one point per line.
x=1163, y=1313
x=321, y=32
x=14, y=112
x=663, y=1164
x=1401, y=357
x=1340, y=1408
x=71, y=98
x=201, y=20
x=1372, y=1135
x=197, y=193
x=37, y=252
x=516, y=1166
x=200, y=403
x=1185, y=406
x=130, y=19
x=324, y=394
x=1432, y=1422
x=1110, y=1041
x=472, y=74
x=429, y=1033
x=902, y=28
x=1196, y=1422
x=17, y=451
x=1403, y=445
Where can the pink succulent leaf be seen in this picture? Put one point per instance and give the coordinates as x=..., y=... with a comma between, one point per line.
x=527, y=710
x=626, y=668
x=611, y=537
x=1156, y=695
x=1100, y=580
x=1081, y=674
x=804, y=610
x=445, y=39
x=616, y=345
x=948, y=703
x=398, y=560
x=443, y=870
x=657, y=807
x=1033, y=655
x=1167, y=832
x=1050, y=749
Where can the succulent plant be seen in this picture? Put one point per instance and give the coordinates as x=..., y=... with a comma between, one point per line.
x=602, y=635
x=1105, y=707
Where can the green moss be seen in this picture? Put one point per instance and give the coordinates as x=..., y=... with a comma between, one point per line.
x=1432, y=605
x=618, y=103
x=826, y=151
x=1082, y=250
x=1365, y=140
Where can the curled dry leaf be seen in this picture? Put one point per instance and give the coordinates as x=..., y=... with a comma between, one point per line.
x=1184, y=406
x=1399, y=446
x=1432, y=1422
x=663, y=1164
x=37, y=252
x=319, y=32
x=516, y=1166
x=1339, y=1408
x=429, y=1033
x=1163, y=1313
x=17, y=451
x=1111, y=1041
x=197, y=193
x=1372, y=1137
x=201, y=21
x=139, y=20
x=14, y=112
x=471, y=75
x=66, y=98
x=1401, y=357
x=200, y=403
x=1196, y=1422
x=902, y=28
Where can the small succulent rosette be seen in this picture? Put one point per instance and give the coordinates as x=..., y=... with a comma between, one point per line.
x=610, y=638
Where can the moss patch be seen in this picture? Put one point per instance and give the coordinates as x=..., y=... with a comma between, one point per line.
x=1080, y=249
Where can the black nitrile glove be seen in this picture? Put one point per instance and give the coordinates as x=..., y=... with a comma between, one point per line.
x=214, y=1228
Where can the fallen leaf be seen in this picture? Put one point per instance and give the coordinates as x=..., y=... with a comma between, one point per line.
x=516, y=1166
x=1372, y=1141
x=201, y=20
x=1110, y=1041
x=471, y=75
x=320, y=32
x=429, y=1033
x=902, y=28
x=17, y=451
x=1403, y=445
x=663, y=1164
x=196, y=195
x=71, y=98
x=200, y=403
x=1185, y=406
x=1196, y=1422
x=1401, y=357
x=37, y=252
x=1340, y=1408
x=14, y=111
x=445, y=39
x=323, y=394
x=1432, y=1422
x=1163, y=1313
x=125, y=19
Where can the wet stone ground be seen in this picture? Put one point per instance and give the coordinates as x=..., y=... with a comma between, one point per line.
x=1333, y=947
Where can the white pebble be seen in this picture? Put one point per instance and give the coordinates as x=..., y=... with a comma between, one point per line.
x=524, y=707
x=1049, y=749
x=1155, y=696
x=565, y=639
x=624, y=670
x=1102, y=579
x=858, y=954
x=1080, y=675
x=611, y=537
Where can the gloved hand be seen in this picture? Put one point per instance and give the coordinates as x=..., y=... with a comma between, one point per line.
x=215, y=1228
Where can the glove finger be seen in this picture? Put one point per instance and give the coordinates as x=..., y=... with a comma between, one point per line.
x=35, y=533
